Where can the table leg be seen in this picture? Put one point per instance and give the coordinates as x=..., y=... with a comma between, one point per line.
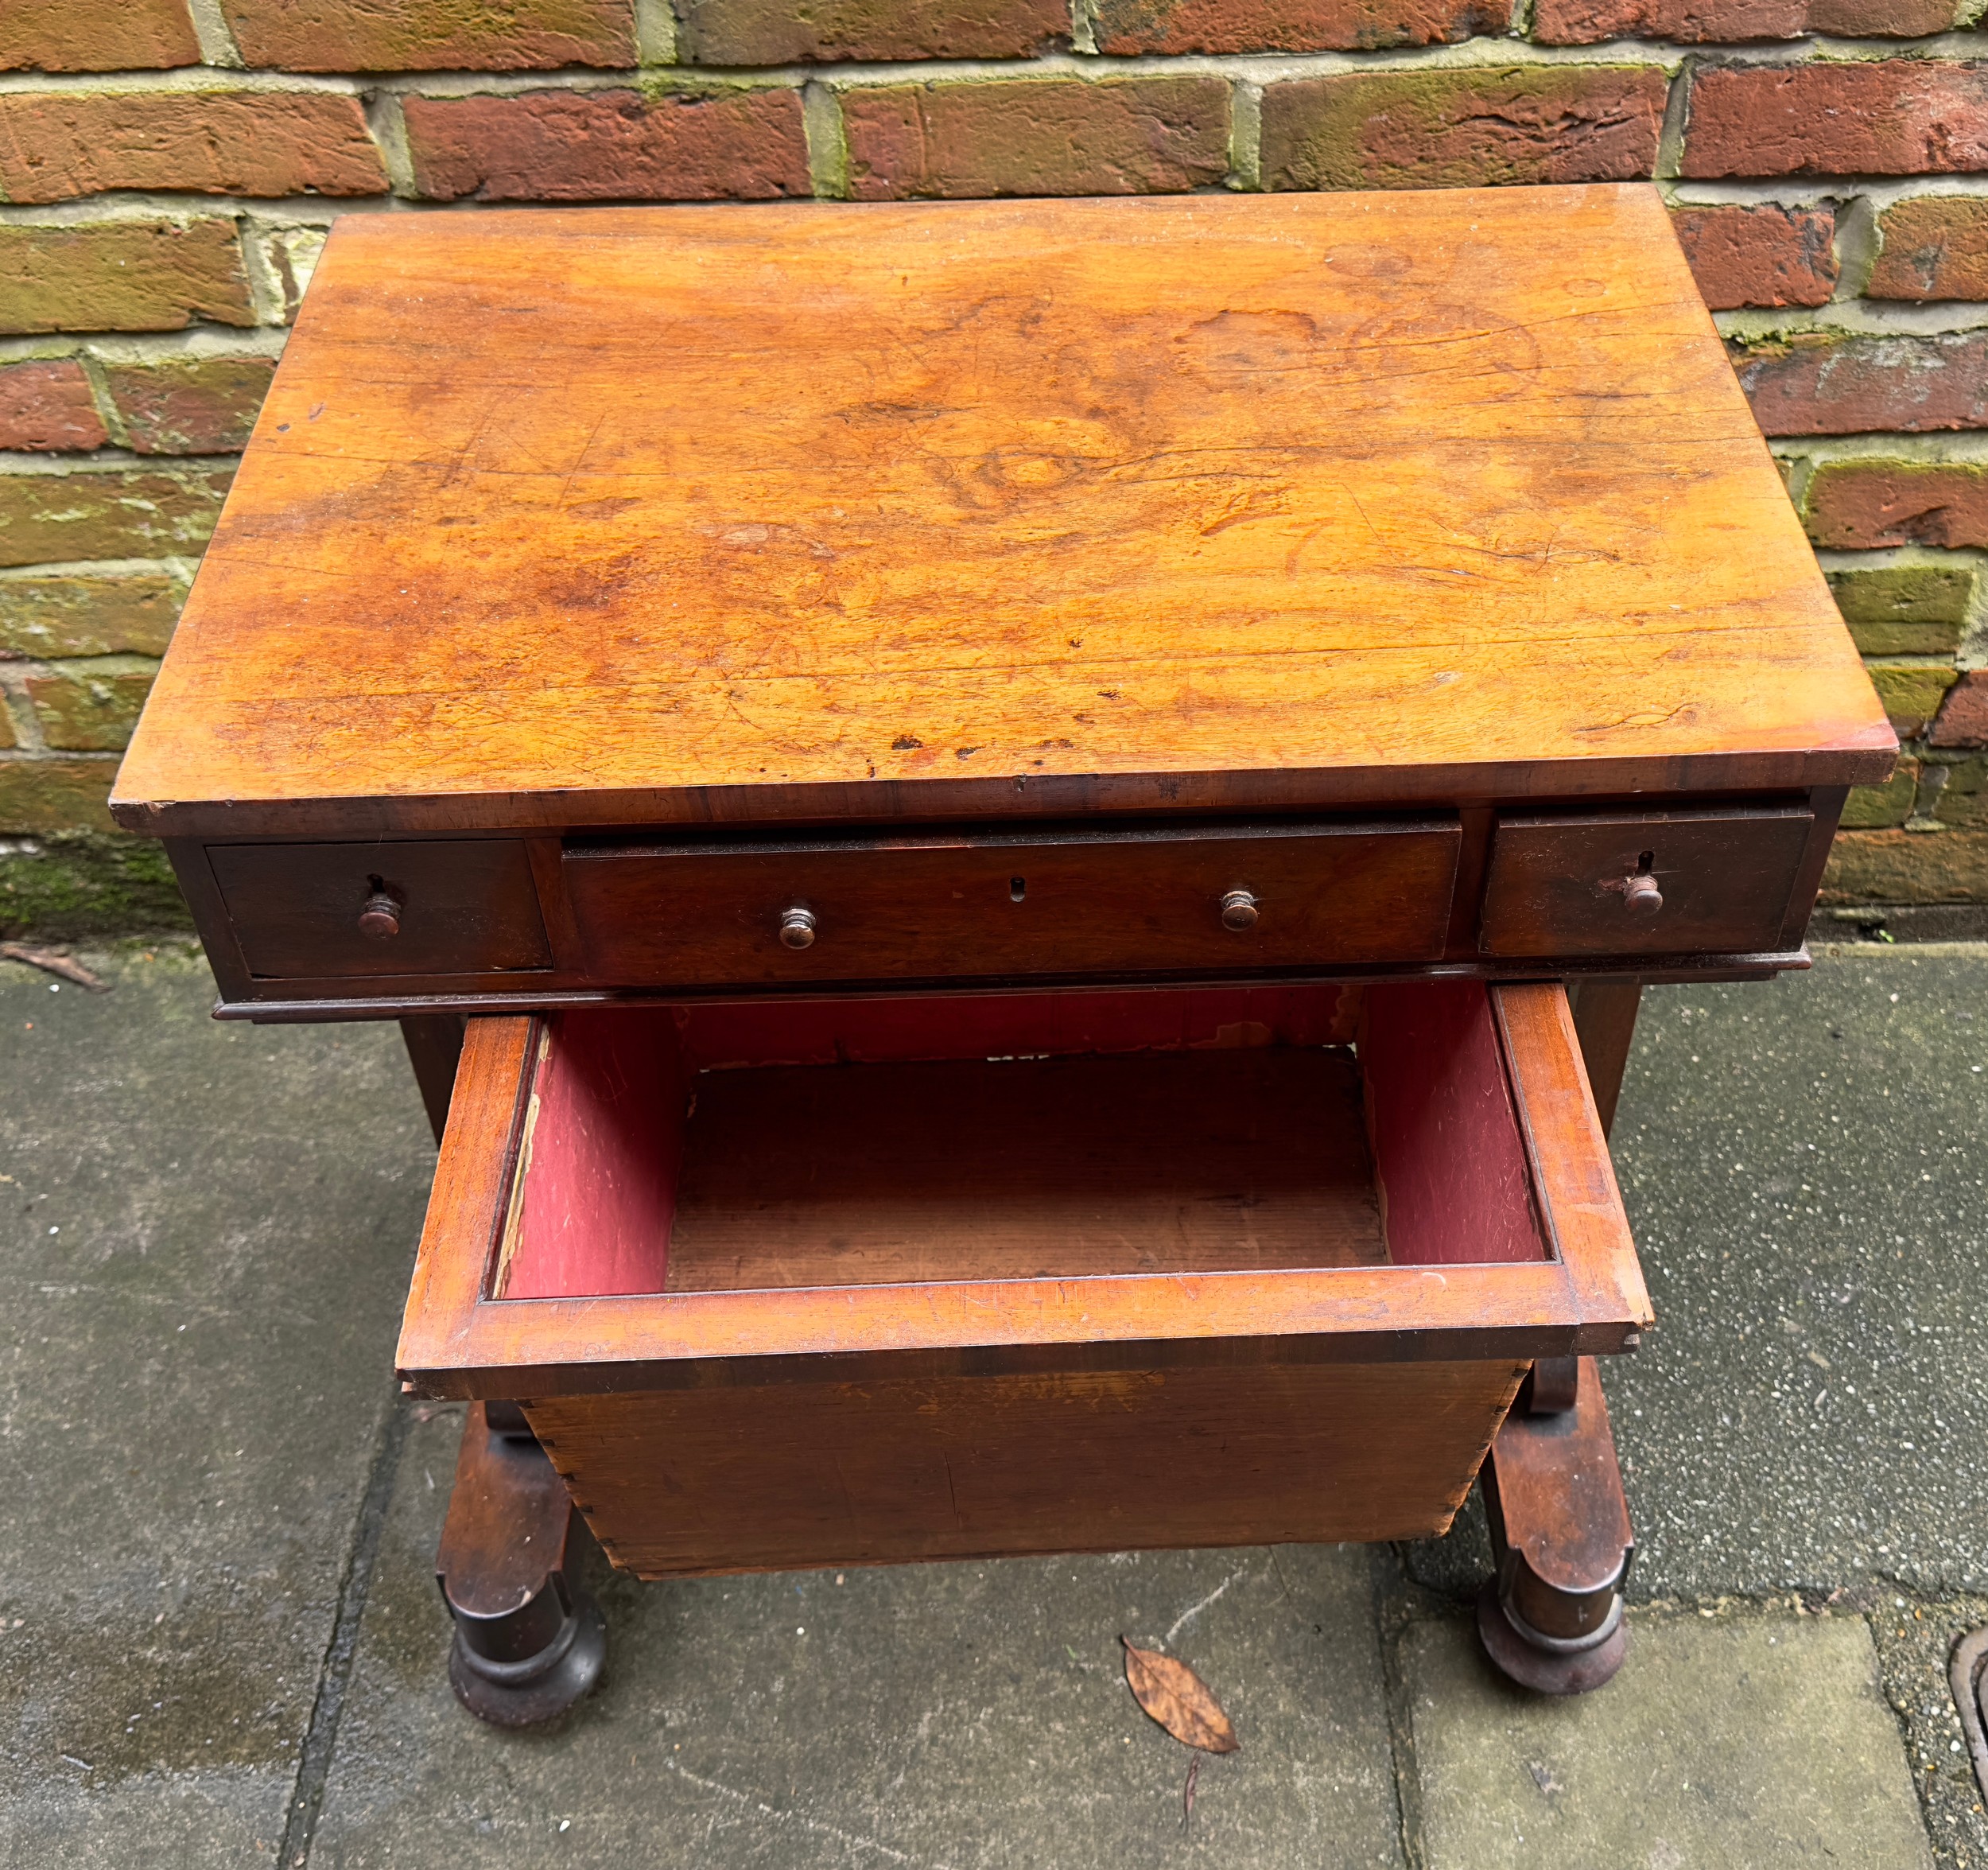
x=434, y=1042
x=1560, y=1532
x=529, y=1642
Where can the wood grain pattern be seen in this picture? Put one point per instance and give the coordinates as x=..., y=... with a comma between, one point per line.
x=782, y=1476
x=643, y=516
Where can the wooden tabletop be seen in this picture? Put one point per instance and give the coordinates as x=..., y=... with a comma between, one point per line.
x=782, y=513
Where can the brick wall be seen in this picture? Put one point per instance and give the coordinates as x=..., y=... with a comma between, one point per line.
x=168, y=168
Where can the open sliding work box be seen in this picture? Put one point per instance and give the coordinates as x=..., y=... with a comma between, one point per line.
x=883, y=1280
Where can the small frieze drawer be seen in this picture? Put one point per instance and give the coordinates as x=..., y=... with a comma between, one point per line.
x=329, y=911
x=1160, y=899
x=1644, y=883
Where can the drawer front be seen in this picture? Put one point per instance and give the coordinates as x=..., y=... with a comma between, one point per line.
x=926, y=908
x=458, y=906
x=1720, y=882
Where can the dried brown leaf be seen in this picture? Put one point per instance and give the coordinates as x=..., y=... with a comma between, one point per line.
x=1178, y=1698
x=49, y=962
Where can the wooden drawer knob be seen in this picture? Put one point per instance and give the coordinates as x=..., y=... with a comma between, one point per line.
x=380, y=919
x=1641, y=895
x=1239, y=911
x=796, y=929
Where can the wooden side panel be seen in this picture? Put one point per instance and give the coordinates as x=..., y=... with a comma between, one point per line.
x=901, y=1029
x=791, y=1475
x=598, y=1167
x=1729, y=881
x=1454, y=1189
x=1182, y=1162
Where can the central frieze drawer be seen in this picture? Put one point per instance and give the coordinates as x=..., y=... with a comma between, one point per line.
x=1075, y=902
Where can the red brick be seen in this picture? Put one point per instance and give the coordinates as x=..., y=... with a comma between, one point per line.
x=1898, y=117
x=779, y=32
x=46, y=518
x=1463, y=127
x=122, y=276
x=48, y=406
x=1963, y=717
x=595, y=145
x=1289, y=25
x=57, y=145
x=190, y=405
x=69, y=36
x=1935, y=246
x=1759, y=256
x=1817, y=385
x=432, y=35
x=1858, y=506
x=1702, y=22
x=1135, y=136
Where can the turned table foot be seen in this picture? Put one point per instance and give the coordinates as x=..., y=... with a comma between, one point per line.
x=529, y=1642
x=1551, y=1618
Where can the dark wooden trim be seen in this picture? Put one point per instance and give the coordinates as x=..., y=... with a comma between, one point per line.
x=1827, y=802
x=203, y=893
x=1517, y=783
x=1605, y=1018
x=292, y=1009
x=434, y=1043
x=548, y=872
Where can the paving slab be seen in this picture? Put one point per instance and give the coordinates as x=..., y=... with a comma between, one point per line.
x=1805, y=1165
x=973, y=1716
x=1758, y=1740
x=204, y=1237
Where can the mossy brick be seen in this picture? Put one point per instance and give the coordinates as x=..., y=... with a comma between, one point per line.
x=431, y=35
x=1963, y=720
x=122, y=276
x=1768, y=255
x=780, y=32
x=591, y=146
x=189, y=405
x=1127, y=136
x=1912, y=692
x=1961, y=798
x=55, y=793
x=1904, y=609
x=70, y=36
x=111, y=614
x=1908, y=867
x=1726, y=23
x=1860, y=505
x=1889, y=117
x=1870, y=808
x=8, y=737
x=1822, y=384
x=1932, y=246
x=71, y=886
x=47, y=405
x=57, y=145
x=1174, y=26
x=126, y=514
x=91, y=706
x=1462, y=127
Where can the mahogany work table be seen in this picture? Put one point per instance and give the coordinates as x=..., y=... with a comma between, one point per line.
x=1015, y=843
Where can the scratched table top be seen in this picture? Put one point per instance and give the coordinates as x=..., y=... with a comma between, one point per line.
x=768, y=514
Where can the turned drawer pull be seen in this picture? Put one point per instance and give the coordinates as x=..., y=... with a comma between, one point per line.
x=796, y=929
x=1239, y=911
x=380, y=919
x=1640, y=895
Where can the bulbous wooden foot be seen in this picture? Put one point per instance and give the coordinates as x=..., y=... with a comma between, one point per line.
x=528, y=1644
x=1552, y=1619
